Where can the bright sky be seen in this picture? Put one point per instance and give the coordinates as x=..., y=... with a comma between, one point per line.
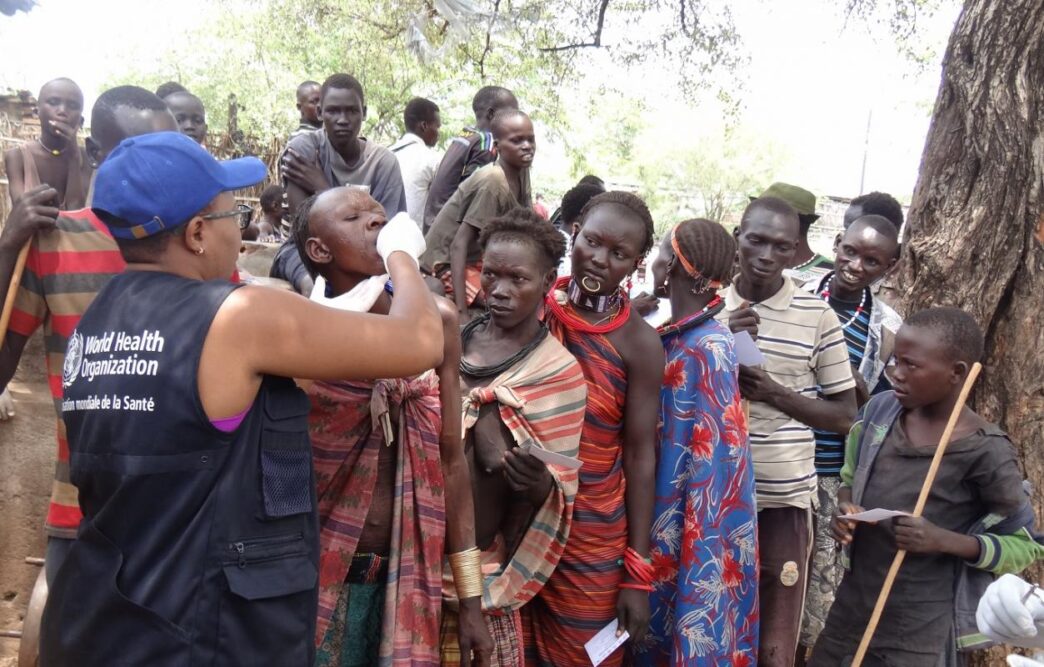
x=812, y=86
x=808, y=84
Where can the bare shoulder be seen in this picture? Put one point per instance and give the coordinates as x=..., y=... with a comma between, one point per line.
x=639, y=344
x=450, y=338
x=259, y=302
x=645, y=336
x=448, y=311
x=12, y=156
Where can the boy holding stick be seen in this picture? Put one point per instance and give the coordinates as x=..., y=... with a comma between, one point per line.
x=977, y=516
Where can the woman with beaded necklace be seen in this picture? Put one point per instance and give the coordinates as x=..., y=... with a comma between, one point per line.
x=604, y=574
x=524, y=394
x=704, y=534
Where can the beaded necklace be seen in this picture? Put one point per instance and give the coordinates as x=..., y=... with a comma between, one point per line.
x=53, y=151
x=825, y=294
x=475, y=371
x=710, y=310
x=593, y=302
x=577, y=323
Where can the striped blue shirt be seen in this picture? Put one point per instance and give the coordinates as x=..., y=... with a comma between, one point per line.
x=855, y=325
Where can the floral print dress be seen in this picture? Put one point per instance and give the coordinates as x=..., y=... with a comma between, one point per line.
x=704, y=533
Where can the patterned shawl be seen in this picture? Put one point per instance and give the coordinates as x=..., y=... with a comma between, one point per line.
x=542, y=399
x=349, y=423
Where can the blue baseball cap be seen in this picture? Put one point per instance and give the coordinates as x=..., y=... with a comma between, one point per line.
x=158, y=181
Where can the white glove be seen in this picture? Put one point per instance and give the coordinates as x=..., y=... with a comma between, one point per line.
x=6, y=406
x=401, y=234
x=1022, y=661
x=1003, y=616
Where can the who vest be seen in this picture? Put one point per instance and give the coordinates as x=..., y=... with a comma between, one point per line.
x=197, y=547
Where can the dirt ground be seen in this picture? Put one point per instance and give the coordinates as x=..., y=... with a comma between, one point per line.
x=27, y=451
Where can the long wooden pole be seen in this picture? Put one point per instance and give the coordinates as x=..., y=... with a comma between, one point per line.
x=926, y=488
x=12, y=289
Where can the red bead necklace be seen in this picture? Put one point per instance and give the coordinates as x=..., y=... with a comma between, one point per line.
x=705, y=313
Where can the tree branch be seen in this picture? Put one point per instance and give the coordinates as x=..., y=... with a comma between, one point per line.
x=595, y=42
x=489, y=32
x=389, y=31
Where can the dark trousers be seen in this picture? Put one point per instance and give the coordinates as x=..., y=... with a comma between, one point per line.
x=784, y=545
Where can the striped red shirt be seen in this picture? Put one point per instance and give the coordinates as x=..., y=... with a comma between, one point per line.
x=65, y=269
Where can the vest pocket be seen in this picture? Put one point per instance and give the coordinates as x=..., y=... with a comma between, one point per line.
x=286, y=474
x=268, y=567
x=267, y=615
x=286, y=454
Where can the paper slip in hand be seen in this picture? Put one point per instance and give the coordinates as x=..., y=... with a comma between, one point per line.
x=602, y=645
x=747, y=352
x=873, y=515
x=552, y=458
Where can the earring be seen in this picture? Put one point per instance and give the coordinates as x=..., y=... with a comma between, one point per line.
x=199, y=251
x=700, y=286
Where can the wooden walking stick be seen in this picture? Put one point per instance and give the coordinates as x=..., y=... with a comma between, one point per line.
x=900, y=555
x=12, y=289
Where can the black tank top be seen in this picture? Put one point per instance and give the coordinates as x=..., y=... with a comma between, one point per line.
x=197, y=547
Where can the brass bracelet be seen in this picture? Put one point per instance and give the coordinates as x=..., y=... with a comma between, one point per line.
x=467, y=573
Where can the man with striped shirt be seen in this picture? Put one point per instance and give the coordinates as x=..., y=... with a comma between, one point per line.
x=866, y=252
x=806, y=383
x=71, y=258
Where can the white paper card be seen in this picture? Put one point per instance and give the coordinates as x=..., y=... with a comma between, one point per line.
x=602, y=645
x=747, y=352
x=552, y=458
x=873, y=515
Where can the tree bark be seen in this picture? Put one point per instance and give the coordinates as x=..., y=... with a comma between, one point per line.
x=976, y=223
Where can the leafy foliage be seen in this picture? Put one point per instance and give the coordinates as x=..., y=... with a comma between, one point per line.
x=710, y=177
x=445, y=49
x=902, y=19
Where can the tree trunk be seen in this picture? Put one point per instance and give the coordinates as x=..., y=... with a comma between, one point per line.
x=976, y=224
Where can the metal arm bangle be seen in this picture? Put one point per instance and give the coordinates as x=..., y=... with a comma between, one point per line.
x=467, y=572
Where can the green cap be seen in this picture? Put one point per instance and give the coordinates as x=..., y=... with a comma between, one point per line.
x=803, y=201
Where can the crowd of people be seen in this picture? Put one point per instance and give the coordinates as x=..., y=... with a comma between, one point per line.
x=457, y=439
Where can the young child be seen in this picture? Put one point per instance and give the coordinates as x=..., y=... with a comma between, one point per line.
x=269, y=227
x=55, y=158
x=189, y=112
x=978, y=488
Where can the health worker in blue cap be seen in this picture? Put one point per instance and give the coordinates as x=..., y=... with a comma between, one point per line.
x=188, y=442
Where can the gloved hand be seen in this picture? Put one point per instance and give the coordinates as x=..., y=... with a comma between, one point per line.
x=1023, y=661
x=400, y=233
x=7, y=409
x=1010, y=611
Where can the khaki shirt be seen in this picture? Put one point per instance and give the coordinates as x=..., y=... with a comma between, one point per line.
x=484, y=197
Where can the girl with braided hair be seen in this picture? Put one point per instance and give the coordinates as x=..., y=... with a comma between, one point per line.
x=603, y=573
x=704, y=532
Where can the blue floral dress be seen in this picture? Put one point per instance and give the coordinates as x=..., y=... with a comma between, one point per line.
x=704, y=533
